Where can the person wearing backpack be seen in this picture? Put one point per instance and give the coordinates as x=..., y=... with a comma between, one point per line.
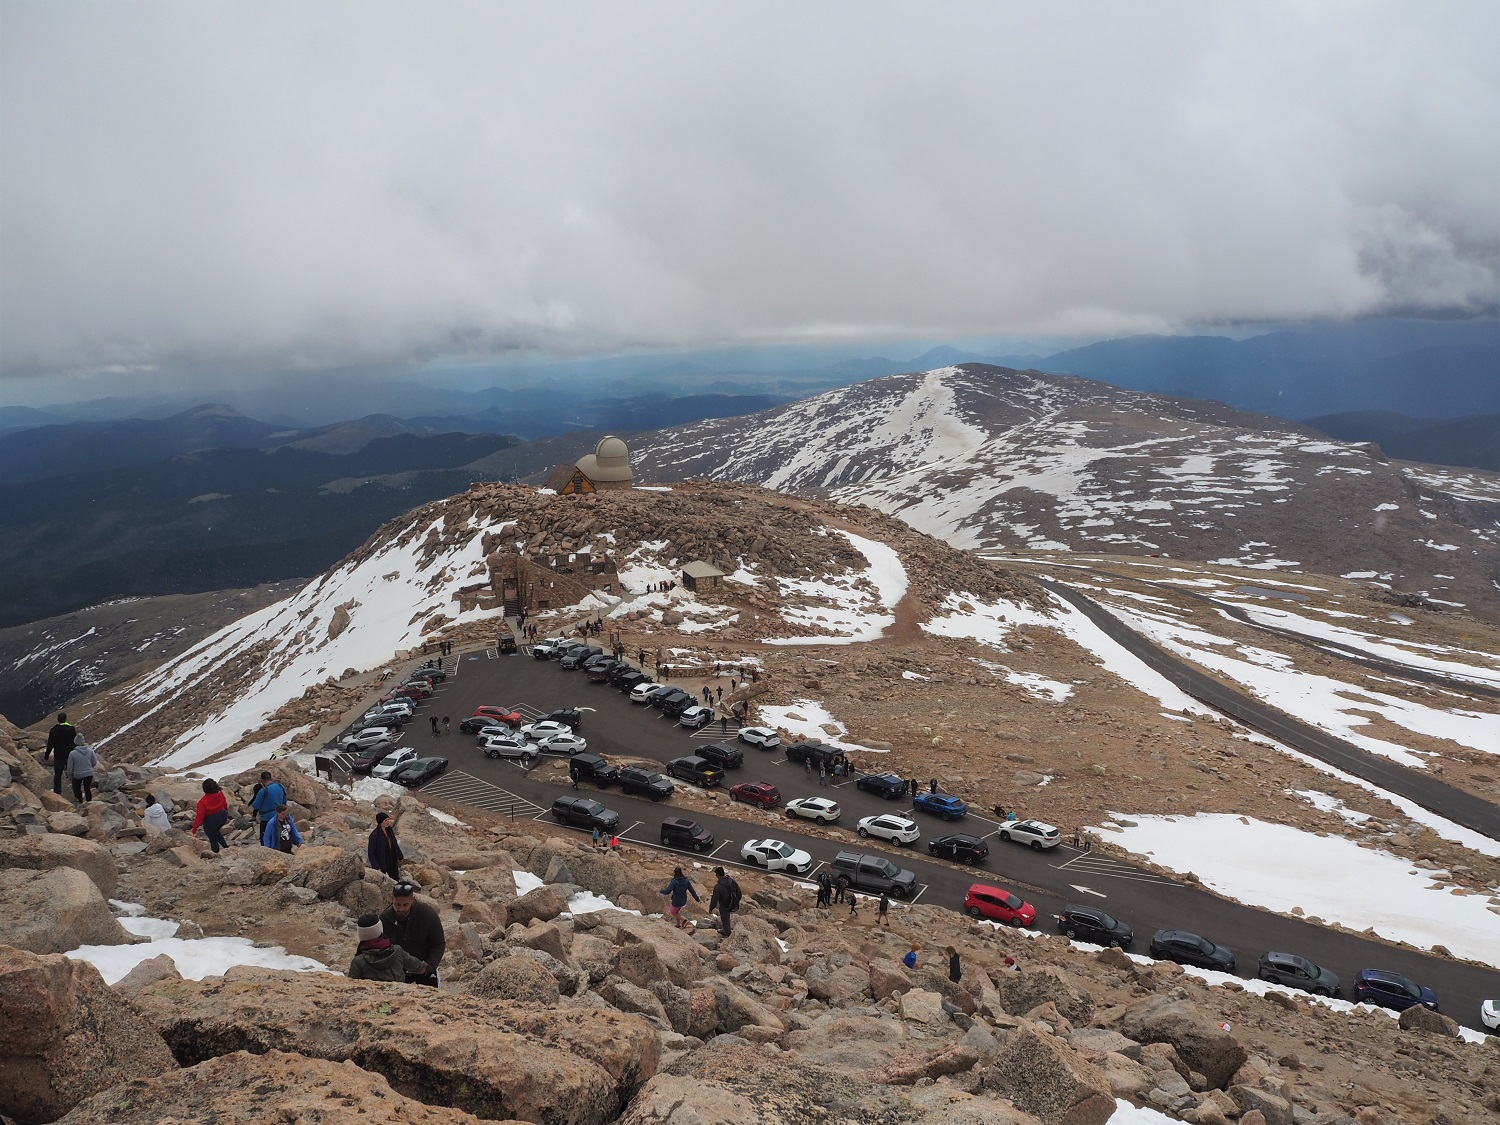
x=725, y=899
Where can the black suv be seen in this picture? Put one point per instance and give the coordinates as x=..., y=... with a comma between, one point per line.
x=591, y=767
x=600, y=670
x=1191, y=949
x=634, y=779
x=675, y=702
x=887, y=785
x=722, y=755
x=667, y=693
x=581, y=812
x=874, y=874
x=578, y=656
x=627, y=678
x=695, y=770
x=960, y=846
x=679, y=832
x=818, y=753
x=572, y=716
x=1089, y=923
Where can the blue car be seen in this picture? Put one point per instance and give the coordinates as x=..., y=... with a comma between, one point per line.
x=944, y=805
x=1391, y=990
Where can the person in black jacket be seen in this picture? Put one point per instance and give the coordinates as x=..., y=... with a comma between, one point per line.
x=416, y=928
x=60, y=740
x=382, y=851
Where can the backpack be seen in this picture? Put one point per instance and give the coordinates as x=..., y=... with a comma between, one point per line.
x=732, y=896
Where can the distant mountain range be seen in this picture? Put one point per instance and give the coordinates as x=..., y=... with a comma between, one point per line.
x=1468, y=442
x=997, y=459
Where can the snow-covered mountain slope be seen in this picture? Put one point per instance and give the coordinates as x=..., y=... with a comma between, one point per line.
x=989, y=457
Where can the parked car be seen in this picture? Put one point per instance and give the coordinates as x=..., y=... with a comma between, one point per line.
x=897, y=829
x=419, y=681
x=599, y=671
x=722, y=755
x=575, y=658
x=562, y=743
x=417, y=691
x=679, y=832
x=960, y=846
x=419, y=771
x=545, y=728
x=696, y=717
x=643, y=691
x=760, y=793
x=1489, y=1014
x=1039, y=834
x=507, y=645
x=774, y=855
x=431, y=671
x=1089, y=923
x=499, y=715
x=630, y=679
x=1297, y=972
x=887, y=785
x=944, y=805
x=367, y=758
x=673, y=706
x=495, y=730
x=667, y=694
x=369, y=736
x=764, y=737
x=817, y=753
x=389, y=714
x=874, y=874
x=621, y=669
x=820, y=809
x=648, y=783
x=1191, y=949
x=591, y=767
x=387, y=766
x=694, y=769
x=583, y=812
x=508, y=745
x=1392, y=990
x=572, y=717
x=999, y=905
x=546, y=650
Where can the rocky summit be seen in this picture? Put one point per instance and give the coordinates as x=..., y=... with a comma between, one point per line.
x=567, y=997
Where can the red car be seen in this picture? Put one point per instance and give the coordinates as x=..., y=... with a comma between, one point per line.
x=499, y=715
x=756, y=793
x=998, y=905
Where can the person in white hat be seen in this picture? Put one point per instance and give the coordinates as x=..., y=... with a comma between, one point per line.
x=378, y=958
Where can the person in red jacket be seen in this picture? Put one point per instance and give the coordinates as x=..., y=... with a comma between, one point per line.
x=212, y=814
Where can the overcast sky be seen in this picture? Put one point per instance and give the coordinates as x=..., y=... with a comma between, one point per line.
x=320, y=184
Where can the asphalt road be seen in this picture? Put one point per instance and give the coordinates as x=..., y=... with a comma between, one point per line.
x=1435, y=796
x=615, y=727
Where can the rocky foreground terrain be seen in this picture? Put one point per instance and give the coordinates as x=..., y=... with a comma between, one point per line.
x=593, y=1015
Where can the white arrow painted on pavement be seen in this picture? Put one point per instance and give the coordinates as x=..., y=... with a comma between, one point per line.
x=1088, y=890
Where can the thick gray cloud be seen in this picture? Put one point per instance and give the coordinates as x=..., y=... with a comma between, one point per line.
x=342, y=183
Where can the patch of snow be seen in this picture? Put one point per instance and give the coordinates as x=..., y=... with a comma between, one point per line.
x=195, y=958
x=807, y=718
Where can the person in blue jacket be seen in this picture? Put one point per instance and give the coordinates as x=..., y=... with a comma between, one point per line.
x=269, y=796
x=281, y=832
x=678, y=890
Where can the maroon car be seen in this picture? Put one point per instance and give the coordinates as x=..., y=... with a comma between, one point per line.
x=756, y=793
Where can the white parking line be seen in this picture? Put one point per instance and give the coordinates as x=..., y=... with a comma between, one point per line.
x=714, y=854
x=913, y=900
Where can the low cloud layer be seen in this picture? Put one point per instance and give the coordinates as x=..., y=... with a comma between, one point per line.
x=336, y=184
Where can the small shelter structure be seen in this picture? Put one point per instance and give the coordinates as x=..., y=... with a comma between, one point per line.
x=699, y=575
x=608, y=467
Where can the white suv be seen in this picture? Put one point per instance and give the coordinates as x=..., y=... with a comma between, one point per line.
x=361, y=739
x=894, y=828
x=1039, y=834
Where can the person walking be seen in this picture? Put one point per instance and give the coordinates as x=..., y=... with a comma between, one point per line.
x=910, y=960
x=840, y=886
x=60, y=742
x=807, y=765
x=913, y=784
x=881, y=914
x=433, y=720
x=281, y=833
x=853, y=905
x=932, y=786
x=81, y=763
x=720, y=691
x=597, y=839
x=447, y=725
x=723, y=724
x=383, y=851
x=416, y=928
x=376, y=957
x=725, y=899
x=955, y=970
x=211, y=814
x=677, y=891
x=267, y=797
x=825, y=890
x=823, y=775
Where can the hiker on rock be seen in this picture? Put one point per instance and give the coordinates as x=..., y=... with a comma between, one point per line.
x=376, y=957
x=883, y=909
x=910, y=958
x=955, y=970
x=81, y=764
x=155, y=816
x=281, y=832
x=212, y=814
x=677, y=891
x=382, y=850
x=60, y=742
x=840, y=887
x=268, y=795
x=825, y=890
x=725, y=899
x=416, y=928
